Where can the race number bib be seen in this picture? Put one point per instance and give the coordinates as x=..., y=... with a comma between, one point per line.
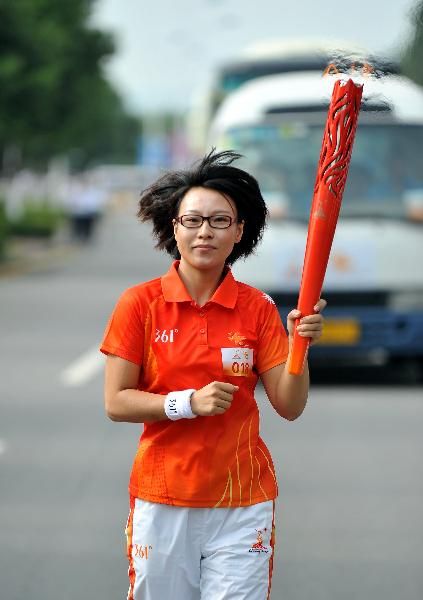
x=237, y=362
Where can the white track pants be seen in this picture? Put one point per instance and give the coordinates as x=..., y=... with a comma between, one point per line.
x=178, y=553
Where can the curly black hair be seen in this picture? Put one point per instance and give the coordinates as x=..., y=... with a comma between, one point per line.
x=160, y=202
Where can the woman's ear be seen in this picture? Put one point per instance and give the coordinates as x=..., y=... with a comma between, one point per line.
x=239, y=231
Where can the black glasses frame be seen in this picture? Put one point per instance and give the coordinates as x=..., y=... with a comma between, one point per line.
x=180, y=220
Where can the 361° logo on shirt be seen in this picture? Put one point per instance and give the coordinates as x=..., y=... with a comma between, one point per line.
x=165, y=335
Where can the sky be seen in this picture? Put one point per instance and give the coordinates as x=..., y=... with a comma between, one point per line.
x=167, y=49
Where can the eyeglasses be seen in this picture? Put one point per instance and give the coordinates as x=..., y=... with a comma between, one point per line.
x=196, y=221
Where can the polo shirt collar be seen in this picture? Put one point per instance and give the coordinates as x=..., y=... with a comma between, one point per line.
x=227, y=293
x=174, y=289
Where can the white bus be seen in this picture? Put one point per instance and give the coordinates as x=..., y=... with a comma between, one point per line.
x=271, y=57
x=374, y=281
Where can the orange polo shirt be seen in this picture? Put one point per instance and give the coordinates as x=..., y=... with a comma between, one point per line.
x=217, y=461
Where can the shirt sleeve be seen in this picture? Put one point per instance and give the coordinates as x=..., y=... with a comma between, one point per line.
x=273, y=344
x=124, y=334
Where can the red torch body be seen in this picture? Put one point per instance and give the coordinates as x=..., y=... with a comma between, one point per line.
x=332, y=171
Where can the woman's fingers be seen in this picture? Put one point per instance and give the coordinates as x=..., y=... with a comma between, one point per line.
x=311, y=326
x=320, y=305
x=214, y=398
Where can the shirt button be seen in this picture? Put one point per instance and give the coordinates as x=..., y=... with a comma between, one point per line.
x=202, y=331
x=202, y=313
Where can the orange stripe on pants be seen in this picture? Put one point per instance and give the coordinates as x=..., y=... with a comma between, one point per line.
x=272, y=544
x=129, y=533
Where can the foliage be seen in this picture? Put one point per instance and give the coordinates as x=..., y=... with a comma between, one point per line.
x=412, y=58
x=38, y=218
x=54, y=98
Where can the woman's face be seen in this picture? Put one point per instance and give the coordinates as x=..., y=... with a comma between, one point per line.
x=206, y=247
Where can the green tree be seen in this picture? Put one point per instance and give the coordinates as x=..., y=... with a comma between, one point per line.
x=54, y=98
x=412, y=58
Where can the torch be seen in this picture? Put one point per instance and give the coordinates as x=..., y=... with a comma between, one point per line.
x=332, y=171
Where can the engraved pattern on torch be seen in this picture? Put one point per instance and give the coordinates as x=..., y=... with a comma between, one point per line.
x=337, y=144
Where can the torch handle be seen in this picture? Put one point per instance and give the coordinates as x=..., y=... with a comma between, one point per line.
x=297, y=359
x=315, y=264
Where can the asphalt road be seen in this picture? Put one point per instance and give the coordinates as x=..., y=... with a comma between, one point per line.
x=349, y=516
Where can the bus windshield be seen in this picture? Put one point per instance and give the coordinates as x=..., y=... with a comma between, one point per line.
x=386, y=166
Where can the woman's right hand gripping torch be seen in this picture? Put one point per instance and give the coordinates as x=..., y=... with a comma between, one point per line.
x=332, y=171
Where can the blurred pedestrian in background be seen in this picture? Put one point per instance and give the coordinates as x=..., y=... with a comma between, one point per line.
x=85, y=205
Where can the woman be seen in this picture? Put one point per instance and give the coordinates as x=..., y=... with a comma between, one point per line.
x=185, y=352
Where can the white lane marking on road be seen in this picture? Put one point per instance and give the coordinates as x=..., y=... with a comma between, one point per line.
x=83, y=368
x=3, y=447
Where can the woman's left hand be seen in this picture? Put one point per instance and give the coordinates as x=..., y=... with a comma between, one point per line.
x=309, y=325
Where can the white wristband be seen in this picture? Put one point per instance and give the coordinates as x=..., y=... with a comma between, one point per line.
x=178, y=405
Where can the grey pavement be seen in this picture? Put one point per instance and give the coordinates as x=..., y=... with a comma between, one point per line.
x=349, y=517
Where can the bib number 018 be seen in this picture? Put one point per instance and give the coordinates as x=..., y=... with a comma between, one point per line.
x=240, y=368
x=237, y=362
